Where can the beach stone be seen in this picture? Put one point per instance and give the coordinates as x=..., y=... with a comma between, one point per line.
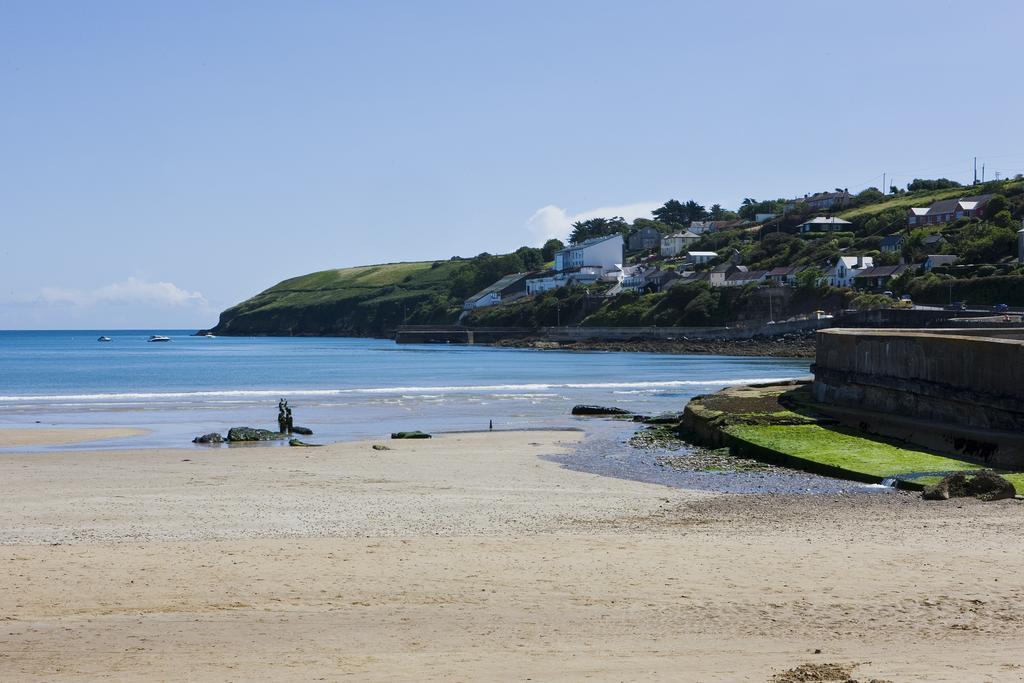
x=380, y=447
x=410, y=435
x=983, y=485
x=990, y=486
x=664, y=419
x=305, y=431
x=303, y=444
x=597, y=410
x=251, y=434
x=212, y=437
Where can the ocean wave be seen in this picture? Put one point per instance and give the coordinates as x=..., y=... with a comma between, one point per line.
x=220, y=394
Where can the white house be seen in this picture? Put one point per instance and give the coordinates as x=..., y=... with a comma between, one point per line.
x=845, y=268
x=824, y=224
x=600, y=252
x=933, y=260
x=584, y=275
x=508, y=288
x=699, y=257
x=677, y=243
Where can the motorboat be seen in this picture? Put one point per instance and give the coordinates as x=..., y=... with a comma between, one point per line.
x=159, y=338
x=104, y=338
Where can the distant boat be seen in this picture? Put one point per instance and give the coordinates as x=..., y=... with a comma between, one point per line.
x=159, y=338
x=104, y=339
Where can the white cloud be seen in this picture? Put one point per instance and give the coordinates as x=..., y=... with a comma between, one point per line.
x=130, y=291
x=553, y=221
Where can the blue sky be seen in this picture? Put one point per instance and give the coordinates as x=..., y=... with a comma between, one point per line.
x=164, y=160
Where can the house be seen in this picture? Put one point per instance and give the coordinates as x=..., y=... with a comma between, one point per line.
x=824, y=224
x=508, y=288
x=645, y=239
x=699, y=257
x=739, y=278
x=893, y=243
x=948, y=210
x=842, y=272
x=939, y=260
x=554, y=279
x=821, y=201
x=661, y=280
x=784, y=275
x=764, y=217
x=878, y=277
x=932, y=242
x=703, y=227
x=600, y=252
x=719, y=275
x=677, y=243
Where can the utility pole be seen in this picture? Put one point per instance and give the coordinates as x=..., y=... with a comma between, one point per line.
x=885, y=190
x=975, y=170
x=983, y=173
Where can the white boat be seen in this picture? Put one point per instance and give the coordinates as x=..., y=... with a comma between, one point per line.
x=159, y=338
x=104, y=338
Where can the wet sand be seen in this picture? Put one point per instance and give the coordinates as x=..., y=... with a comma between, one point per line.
x=470, y=557
x=58, y=436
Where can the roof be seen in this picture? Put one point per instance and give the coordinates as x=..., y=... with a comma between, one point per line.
x=589, y=243
x=933, y=239
x=752, y=275
x=829, y=220
x=947, y=206
x=712, y=254
x=892, y=240
x=781, y=270
x=687, y=235
x=942, y=259
x=851, y=261
x=882, y=271
x=501, y=284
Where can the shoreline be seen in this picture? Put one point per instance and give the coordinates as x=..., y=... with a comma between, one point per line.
x=782, y=347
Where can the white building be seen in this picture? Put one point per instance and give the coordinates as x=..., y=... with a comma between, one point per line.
x=508, y=288
x=584, y=275
x=846, y=268
x=600, y=252
x=699, y=257
x=677, y=243
x=824, y=224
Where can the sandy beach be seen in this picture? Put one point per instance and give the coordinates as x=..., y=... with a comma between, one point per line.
x=469, y=557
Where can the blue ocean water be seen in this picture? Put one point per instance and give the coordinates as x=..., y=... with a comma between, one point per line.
x=342, y=388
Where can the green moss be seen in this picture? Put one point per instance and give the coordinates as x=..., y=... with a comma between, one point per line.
x=841, y=449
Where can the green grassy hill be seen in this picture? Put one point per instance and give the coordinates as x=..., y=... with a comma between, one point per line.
x=365, y=300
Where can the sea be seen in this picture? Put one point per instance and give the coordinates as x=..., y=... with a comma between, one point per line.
x=341, y=388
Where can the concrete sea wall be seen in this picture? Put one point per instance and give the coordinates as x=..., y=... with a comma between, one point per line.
x=957, y=391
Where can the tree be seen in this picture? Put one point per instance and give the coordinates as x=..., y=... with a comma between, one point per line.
x=547, y=252
x=597, y=227
x=694, y=212
x=810, y=278
x=995, y=205
x=531, y=257
x=671, y=212
x=918, y=184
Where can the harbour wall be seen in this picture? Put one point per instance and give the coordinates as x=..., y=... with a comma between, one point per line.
x=954, y=390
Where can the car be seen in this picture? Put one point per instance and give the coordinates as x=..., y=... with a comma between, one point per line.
x=956, y=306
x=905, y=297
x=1000, y=308
x=888, y=294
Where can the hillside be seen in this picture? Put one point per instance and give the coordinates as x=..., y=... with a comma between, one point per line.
x=351, y=301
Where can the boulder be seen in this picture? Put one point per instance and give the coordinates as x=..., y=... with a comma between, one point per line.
x=598, y=410
x=990, y=486
x=984, y=485
x=380, y=447
x=251, y=434
x=212, y=437
x=664, y=419
x=305, y=431
x=303, y=444
x=410, y=435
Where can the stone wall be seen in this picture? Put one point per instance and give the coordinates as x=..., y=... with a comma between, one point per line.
x=953, y=390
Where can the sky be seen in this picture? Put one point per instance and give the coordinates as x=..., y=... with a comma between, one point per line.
x=161, y=161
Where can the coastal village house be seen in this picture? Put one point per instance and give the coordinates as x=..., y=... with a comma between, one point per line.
x=583, y=263
x=784, y=275
x=845, y=268
x=703, y=227
x=644, y=239
x=933, y=260
x=893, y=243
x=824, y=224
x=719, y=275
x=677, y=243
x=508, y=288
x=948, y=210
x=700, y=257
x=821, y=201
x=878, y=277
